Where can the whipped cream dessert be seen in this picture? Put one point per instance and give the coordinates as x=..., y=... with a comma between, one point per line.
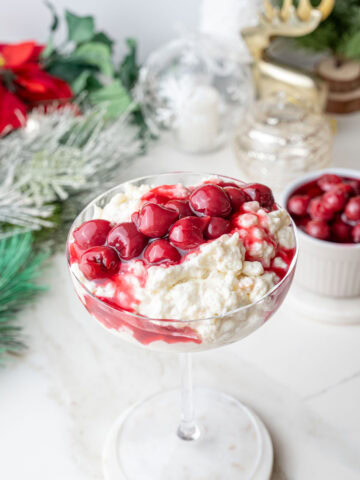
x=174, y=253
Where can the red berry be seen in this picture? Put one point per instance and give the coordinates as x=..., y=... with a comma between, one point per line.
x=135, y=218
x=318, y=211
x=356, y=233
x=260, y=193
x=155, y=220
x=355, y=185
x=127, y=240
x=341, y=231
x=346, y=188
x=99, y=262
x=92, y=233
x=188, y=232
x=217, y=227
x=298, y=205
x=161, y=251
x=182, y=207
x=318, y=229
x=334, y=200
x=237, y=197
x=352, y=209
x=211, y=200
x=328, y=181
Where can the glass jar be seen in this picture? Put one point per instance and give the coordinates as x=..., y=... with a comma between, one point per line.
x=196, y=87
x=280, y=139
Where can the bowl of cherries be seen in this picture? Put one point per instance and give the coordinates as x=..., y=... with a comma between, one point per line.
x=325, y=207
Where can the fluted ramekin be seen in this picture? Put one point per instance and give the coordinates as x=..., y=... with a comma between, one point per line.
x=326, y=268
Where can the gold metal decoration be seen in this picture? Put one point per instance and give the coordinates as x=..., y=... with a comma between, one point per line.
x=271, y=76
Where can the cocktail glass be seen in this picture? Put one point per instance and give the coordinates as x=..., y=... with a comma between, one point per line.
x=197, y=433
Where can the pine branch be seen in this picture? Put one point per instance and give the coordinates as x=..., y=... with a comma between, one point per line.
x=19, y=268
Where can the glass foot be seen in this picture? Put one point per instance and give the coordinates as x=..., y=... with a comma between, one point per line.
x=233, y=442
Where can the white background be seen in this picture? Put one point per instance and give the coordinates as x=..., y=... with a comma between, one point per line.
x=150, y=21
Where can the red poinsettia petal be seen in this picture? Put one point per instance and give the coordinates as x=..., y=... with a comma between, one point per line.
x=35, y=85
x=36, y=53
x=12, y=111
x=15, y=55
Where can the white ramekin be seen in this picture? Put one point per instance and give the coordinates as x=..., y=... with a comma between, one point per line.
x=326, y=268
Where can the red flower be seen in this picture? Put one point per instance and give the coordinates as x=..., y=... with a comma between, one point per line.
x=23, y=84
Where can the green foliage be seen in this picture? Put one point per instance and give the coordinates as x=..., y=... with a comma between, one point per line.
x=80, y=29
x=19, y=268
x=85, y=62
x=339, y=33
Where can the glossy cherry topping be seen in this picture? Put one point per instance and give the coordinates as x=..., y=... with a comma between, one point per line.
x=298, y=205
x=341, y=232
x=216, y=227
x=326, y=182
x=161, y=251
x=99, y=262
x=92, y=233
x=182, y=207
x=333, y=211
x=211, y=200
x=260, y=193
x=352, y=209
x=318, y=211
x=355, y=233
x=155, y=220
x=188, y=232
x=127, y=240
x=318, y=229
x=237, y=197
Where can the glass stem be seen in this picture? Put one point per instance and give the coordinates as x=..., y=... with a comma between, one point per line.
x=187, y=430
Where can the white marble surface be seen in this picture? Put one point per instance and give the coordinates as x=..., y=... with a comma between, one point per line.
x=303, y=378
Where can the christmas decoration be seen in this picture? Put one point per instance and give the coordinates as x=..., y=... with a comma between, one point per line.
x=339, y=36
x=80, y=69
x=68, y=123
x=19, y=267
x=195, y=87
x=286, y=21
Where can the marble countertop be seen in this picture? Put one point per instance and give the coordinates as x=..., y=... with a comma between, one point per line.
x=58, y=401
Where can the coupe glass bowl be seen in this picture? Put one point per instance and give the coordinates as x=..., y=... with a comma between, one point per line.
x=224, y=439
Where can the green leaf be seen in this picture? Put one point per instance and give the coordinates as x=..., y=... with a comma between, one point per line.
x=101, y=37
x=351, y=46
x=55, y=18
x=68, y=69
x=96, y=54
x=80, y=29
x=79, y=83
x=114, y=98
x=129, y=69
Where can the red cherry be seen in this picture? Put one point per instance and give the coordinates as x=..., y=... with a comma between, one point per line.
x=92, y=233
x=127, y=240
x=318, y=211
x=99, y=262
x=352, y=209
x=135, y=218
x=355, y=233
x=188, y=232
x=182, y=207
x=298, y=205
x=328, y=181
x=211, y=200
x=237, y=197
x=260, y=193
x=154, y=197
x=341, y=231
x=355, y=186
x=217, y=227
x=334, y=200
x=318, y=229
x=161, y=251
x=155, y=220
